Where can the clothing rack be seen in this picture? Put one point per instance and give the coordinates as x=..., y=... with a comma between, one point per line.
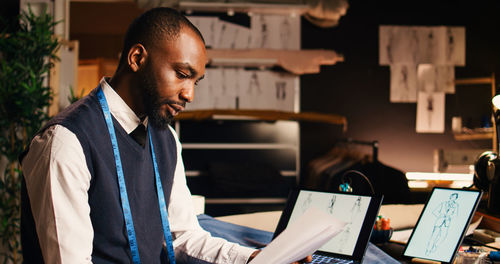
x=374, y=145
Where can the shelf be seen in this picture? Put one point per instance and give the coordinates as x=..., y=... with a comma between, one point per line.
x=489, y=221
x=245, y=200
x=284, y=173
x=239, y=7
x=295, y=61
x=480, y=135
x=473, y=136
x=471, y=81
x=237, y=146
x=263, y=115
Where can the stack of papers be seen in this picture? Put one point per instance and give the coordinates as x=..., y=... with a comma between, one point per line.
x=301, y=238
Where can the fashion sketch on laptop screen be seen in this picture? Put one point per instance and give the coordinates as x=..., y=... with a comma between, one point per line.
x=442, y=224
x=348, y=208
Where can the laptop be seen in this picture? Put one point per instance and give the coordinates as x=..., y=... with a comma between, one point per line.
x=442, y=225
x=358, y=211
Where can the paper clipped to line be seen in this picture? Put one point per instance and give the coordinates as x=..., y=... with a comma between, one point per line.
x=301, y=238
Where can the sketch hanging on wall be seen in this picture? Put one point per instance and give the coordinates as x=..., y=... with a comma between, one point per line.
x=232, y=36
x=419, y=44
x=237, y=88
x=430, y=112
x=266, y=32
x=403, y=82
x=249, y=89
x=275, y=32
x=431, y=101
x=434, y=51
x=208, y=28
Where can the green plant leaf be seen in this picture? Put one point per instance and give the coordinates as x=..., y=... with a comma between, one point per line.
x=26, y=57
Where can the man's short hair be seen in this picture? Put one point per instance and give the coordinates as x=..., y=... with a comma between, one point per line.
x=155, y=25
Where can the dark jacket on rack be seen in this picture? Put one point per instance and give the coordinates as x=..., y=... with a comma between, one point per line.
x=331, y=170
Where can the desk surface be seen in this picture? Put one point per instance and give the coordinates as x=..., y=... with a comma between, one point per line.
x=489, y=221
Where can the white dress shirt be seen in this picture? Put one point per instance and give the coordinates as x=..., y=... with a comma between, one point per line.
x=57, y=180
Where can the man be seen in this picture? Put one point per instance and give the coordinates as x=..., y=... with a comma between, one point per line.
x=99, y=176
x=445, y=212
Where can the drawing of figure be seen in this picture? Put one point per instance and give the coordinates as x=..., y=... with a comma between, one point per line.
x=285, y=33
x=280, y=90
x=344, y=238
x=403, y=83
x=263, y=32
x=414, y=44
x=430, y=46
x=332, y=203
x=450, y=45
x=444, y=212
x=223, y=86
x=212, y=32
x=430, y=108
x=356, y=209
x=235, y=37
x=254, y=83
x=307, y=202
x=389, y=46
x=222, y=34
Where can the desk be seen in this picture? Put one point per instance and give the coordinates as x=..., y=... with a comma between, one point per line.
x=489, y=221
x=401, y=216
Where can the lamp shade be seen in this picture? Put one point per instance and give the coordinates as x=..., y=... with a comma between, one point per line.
x=496, y=101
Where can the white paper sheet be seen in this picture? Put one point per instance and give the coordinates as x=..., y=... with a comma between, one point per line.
x=403, y=83
x=422, y=44
x=427, y=78
x=456, y=45
x=473, y=226
x=401, y=236
x=201, y=94
x=430, y=112
x=208, y=27
x=275, y=32
x=232, y=36
x=301, y=238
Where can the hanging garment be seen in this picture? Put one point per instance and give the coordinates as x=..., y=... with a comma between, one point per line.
x=334, y=168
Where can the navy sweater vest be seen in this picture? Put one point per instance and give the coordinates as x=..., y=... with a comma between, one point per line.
x=110, y=245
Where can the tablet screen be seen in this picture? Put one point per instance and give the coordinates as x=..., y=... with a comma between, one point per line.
x=442, y=224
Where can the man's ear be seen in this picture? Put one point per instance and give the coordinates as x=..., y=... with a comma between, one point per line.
x=136, y=57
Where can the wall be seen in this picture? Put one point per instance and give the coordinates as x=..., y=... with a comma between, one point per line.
x=359, y=88
x=100, y=27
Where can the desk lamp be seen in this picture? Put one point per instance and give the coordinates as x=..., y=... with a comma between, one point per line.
x=487, y=166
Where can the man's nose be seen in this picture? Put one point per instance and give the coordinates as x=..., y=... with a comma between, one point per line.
x=187, y=94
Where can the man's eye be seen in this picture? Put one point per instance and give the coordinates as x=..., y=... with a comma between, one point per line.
x=182, y=75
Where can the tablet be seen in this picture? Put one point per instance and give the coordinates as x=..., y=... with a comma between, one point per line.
x=442, y=224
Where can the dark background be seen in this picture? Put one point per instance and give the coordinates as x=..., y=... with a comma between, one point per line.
x=357, y=88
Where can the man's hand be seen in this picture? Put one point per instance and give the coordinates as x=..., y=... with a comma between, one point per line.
x=305, y=260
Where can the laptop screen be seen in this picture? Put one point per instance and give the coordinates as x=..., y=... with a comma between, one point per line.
x=442, y=224
x=358, y=211
x=348, y=208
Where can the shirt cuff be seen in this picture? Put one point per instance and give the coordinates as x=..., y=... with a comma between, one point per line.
x=242, y=254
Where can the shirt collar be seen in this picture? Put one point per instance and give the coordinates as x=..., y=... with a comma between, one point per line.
x=118, y=108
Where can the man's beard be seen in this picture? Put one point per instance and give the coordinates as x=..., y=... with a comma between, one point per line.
x=152, y=103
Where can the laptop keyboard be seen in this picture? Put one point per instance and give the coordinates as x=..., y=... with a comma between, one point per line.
x=326, y=260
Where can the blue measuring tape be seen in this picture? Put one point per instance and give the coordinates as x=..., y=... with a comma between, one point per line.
x=163, y=206
x=127, y=214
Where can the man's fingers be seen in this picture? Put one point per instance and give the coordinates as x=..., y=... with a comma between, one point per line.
x=305, y=260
